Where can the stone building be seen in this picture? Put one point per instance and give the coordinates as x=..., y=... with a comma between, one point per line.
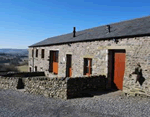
x=112, y=50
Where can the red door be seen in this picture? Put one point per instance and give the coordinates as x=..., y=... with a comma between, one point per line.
x=119, y=69
x=68, y=66
x=55, y=62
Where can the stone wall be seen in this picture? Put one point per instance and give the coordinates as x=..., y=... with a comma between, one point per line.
x=64, y=88
x=97, y=50
x=79, y=51
x=49, y=87
x=137, y=50
x=80, y=86
x=8, y=82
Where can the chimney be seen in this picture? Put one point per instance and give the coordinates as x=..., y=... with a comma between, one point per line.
x=74, y=31
x=108, y=28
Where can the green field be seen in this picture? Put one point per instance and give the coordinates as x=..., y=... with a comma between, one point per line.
x=23, y=68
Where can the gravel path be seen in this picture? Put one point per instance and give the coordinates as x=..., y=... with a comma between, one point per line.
x=19, y=104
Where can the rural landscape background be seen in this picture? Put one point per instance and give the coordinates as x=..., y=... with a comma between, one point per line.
x=13, y=60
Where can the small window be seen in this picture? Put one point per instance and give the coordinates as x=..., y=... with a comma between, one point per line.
x=36, y=52
x=41, y=68
x=87, y=66
x=35, y=68
x=42, y=53
x=30, y=69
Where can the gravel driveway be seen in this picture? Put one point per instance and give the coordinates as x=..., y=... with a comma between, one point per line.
x=20, y=104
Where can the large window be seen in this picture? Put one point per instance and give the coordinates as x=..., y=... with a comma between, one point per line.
x=36, y=52
x=42, y=53
x=87, y=66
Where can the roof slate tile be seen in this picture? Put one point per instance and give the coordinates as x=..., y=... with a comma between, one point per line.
x=135, y=27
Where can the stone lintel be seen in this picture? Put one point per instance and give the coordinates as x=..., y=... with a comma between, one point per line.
x=114, y=47
x=69, y=53
x=118, y=47
x=88, y=56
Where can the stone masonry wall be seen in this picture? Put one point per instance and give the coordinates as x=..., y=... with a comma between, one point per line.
x=80, y=86
x=137, y=50
x=64, y=88
x=49, y=87
x=8, y=82
x=78, y=51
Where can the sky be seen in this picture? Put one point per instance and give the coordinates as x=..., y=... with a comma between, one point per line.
x=25, y=22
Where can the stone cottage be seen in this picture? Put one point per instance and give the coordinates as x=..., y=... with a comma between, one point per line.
x=112, y=50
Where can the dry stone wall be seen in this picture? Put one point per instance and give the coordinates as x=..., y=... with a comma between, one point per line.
x=49, y=87
x=64, y=88
x=8, y=82
x=81, y=86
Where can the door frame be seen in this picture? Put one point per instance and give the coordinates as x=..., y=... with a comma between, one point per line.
x=111, y=66
x=68, y=67
x=51, y=60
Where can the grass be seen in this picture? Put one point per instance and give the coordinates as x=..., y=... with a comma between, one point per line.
x=23, y=68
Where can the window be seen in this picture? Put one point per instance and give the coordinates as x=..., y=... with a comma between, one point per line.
x=41, y=68
x=30, y=69
x=35, y=68
x=42, y=53
x=87, y=66
x=36, y=52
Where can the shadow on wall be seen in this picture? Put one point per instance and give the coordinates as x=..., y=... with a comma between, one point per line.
x=138, y=72
x=87, y=87
x=20, y=84
x=23, y=74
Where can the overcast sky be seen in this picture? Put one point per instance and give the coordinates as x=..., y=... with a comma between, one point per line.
x=25, y=22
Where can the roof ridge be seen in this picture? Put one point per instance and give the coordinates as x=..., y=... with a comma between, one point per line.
x=101, y=26
x=118, y=22
x=120, y=29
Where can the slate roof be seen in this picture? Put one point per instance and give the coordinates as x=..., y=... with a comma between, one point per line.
x=129, y=28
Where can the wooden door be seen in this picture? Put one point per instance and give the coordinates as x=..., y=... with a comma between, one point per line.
x=51, y=61
x=55, y=62
x=68, y=66
x=119, y=68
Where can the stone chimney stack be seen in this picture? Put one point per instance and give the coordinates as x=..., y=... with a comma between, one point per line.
x=108, y=28
x=74, y=31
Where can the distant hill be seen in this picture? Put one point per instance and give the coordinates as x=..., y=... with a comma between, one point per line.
x=15, y=51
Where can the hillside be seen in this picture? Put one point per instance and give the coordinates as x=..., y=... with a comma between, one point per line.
x=13, y=59
x=15, y=51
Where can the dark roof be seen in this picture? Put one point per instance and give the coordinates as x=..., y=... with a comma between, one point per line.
x=129, y=28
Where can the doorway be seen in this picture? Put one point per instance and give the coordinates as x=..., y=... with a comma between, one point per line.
x=54, y=62
x=68, y=65
x=116, y=68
